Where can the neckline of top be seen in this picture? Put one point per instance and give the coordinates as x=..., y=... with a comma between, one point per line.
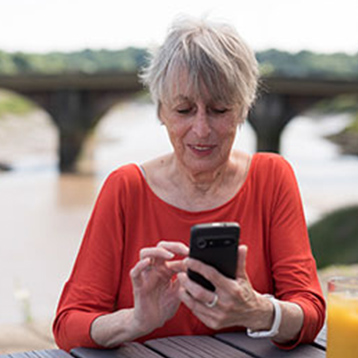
x=238, y=193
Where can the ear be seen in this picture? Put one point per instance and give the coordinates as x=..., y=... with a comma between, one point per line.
x=244, y=114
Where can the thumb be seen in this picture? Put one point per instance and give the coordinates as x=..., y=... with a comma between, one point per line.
x=241, y=265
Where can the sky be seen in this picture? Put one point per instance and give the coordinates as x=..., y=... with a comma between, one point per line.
x=325, y=26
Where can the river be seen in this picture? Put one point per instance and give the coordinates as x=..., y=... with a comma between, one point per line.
x=43, y=214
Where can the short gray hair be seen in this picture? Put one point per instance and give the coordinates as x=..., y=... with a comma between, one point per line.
x=212, y=54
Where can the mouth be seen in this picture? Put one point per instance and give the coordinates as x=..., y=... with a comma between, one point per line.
x=200, y=149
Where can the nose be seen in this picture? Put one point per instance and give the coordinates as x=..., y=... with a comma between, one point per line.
x=201, y=125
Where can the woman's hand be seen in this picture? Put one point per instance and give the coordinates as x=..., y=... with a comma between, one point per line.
x=235, y=301
x=155, y=286
x=156, y=299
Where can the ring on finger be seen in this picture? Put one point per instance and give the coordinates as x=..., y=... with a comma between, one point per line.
x=213, y=302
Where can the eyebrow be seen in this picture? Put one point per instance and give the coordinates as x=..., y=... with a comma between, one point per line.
x=212, y=102
x=182, y=97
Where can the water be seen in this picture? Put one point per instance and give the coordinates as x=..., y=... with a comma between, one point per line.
x=327, y=179
x=43, y=214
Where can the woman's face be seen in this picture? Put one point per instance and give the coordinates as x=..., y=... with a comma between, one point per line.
x=201, y=130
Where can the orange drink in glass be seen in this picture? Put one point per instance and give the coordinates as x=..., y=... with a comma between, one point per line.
x=342, y=324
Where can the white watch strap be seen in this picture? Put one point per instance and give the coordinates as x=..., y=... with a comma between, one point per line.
x=276, y=322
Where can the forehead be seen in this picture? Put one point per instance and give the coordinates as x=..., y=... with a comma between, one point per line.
x=185, y=94
x=181, y=85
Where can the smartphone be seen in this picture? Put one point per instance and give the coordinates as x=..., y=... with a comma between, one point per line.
x=215, y=244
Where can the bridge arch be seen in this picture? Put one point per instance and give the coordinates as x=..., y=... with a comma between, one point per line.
x=77, y=102
x=282, y=99
x=27, y=131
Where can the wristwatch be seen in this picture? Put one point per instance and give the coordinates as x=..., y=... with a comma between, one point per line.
x=276, y=322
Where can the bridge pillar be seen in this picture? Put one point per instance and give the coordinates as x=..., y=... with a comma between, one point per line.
x=70, y=146
x=270, y=115
x=74, y=113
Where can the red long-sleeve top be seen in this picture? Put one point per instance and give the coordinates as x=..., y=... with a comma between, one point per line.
x=129, y=216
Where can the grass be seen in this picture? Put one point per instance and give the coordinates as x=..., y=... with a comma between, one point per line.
x=14, y=104
x=347, y=139
x=334, y=238
x=353, y=126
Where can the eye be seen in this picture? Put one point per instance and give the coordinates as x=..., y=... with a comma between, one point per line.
x=184, y=110
x=219, y=110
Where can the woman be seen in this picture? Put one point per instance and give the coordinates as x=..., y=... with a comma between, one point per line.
x=129, y=281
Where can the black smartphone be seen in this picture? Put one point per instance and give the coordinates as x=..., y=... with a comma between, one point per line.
x=215, y=244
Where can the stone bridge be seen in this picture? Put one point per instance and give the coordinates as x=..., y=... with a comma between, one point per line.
x=77, y=102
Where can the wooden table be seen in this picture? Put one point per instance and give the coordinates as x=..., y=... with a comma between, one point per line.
x=227, y=345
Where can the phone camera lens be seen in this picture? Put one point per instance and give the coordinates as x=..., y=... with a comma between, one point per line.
x=201, y=243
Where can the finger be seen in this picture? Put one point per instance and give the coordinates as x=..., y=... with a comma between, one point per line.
x=209, y=272
x=176, y=247
x=176, y=266
x=200, y=310
x=136, y=271
x=195, y=290
x=156, y=253
x=186, y=298
x=241, y=265
x=189, y=301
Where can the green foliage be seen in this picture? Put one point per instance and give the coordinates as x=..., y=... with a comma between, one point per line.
x=86, y=61
x=7, y=65
x=353, y=126
x=309, y=64
x=334, y=238
x=272, y=62
x=13, y=104
x=339, y=104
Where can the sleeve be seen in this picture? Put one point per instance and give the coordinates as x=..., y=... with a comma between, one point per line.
x=293, y=266
x=92, y=288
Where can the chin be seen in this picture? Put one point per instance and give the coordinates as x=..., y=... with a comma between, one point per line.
x=199, y=166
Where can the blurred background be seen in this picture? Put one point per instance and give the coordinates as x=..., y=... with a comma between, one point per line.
x=71, y=111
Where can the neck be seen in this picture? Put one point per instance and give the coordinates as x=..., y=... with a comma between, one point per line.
x=201, y=181
x=199, y=190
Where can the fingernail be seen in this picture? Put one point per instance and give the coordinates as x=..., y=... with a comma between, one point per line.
x=170, y=255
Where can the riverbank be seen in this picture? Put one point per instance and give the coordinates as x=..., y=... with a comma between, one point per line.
x=347, y=141
x=347, y=138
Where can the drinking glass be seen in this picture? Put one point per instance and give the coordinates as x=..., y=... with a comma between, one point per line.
x=342, y=324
